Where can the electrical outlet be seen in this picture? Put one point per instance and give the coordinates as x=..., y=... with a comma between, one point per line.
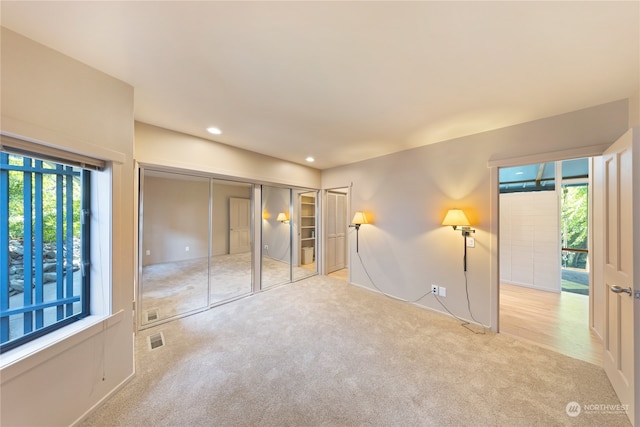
x=266, y=247
x=434, y=289
x=442, y=291
x=148, y=252
x=186, y=248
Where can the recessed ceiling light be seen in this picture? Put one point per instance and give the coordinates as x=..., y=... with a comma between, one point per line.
x=214, y=131
x=310, y=159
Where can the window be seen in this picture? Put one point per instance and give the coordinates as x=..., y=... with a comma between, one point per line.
x=44, y=246
x=542, y=176
x=574, y=205
x=535, y=177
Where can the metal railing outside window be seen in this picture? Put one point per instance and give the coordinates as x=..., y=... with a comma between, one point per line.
x=44, y=247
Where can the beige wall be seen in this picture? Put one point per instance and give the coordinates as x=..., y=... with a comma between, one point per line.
x=406, y=249
x=157, y=146
x=52, y=98
x=176, y=219
x=176, y=215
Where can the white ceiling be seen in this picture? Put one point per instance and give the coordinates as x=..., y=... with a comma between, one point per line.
x=346, y=81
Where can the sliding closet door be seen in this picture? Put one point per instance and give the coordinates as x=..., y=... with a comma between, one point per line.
x=174, y=245
x=231, y=242
x=197, y=241
x=276, y=236
x=305, y=232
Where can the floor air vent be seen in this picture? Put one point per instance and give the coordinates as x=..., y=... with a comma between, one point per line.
x=152, y=315
x=156, y=340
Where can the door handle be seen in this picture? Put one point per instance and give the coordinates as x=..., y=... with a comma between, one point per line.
x=618, y=290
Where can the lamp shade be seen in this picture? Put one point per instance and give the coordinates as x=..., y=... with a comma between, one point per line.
x=282, y=217
x=359, y=218
x=455, y=217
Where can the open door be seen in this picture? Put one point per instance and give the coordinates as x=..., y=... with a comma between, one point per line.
x=621, y=196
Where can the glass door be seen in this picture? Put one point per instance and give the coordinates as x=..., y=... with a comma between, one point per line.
x=575, y=237
x=574, y=220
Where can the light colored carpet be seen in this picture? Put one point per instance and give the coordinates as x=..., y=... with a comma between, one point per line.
x=320, y=352
x=175, y=288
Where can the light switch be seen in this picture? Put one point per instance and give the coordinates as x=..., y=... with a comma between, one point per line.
x=471, y=242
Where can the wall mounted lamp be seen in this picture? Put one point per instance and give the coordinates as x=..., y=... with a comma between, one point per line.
x=458, y=220
x=358, y=219
x=282, y=217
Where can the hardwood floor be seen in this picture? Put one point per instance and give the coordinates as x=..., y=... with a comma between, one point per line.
x=557, y=321
x=341, y=274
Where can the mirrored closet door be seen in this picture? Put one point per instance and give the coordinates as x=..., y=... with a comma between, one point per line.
x=231, y=240
x=305, y=233
x=289, y=234
x=195, y=243
x=276, y=236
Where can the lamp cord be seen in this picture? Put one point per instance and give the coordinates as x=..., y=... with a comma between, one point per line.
x=464, y=323
x=384, y=293
x=466, y=290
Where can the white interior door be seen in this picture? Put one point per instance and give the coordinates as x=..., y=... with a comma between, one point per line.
x=336, y=231
x=620, y=196
x=239, y=225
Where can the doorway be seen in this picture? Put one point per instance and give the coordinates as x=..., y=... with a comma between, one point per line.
x=336, y=235
x=544, y=268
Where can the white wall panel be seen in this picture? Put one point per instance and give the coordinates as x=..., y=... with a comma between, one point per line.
x=530, y=240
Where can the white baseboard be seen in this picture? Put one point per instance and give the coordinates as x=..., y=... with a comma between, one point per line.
x=103, y=400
